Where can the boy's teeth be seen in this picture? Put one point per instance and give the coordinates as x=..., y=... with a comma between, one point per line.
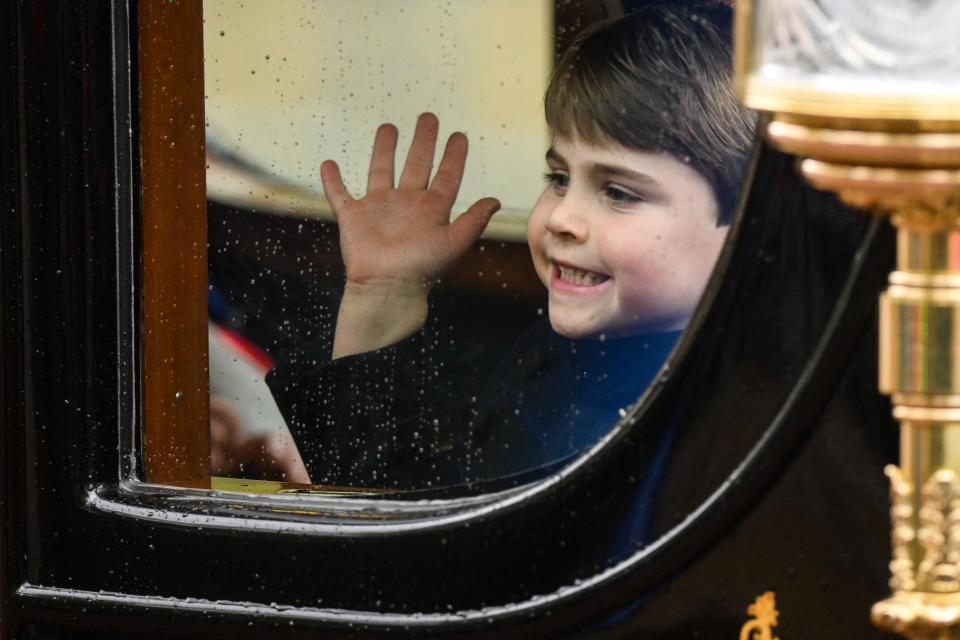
x=578, y=276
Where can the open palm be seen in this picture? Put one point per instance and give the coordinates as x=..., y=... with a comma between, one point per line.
x=401, y=236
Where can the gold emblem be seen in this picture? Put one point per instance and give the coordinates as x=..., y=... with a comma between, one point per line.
x=764, y=612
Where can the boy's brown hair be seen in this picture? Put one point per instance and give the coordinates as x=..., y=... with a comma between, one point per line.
x=658, y=79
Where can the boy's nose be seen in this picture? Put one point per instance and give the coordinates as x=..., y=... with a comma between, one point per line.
x=567, y=221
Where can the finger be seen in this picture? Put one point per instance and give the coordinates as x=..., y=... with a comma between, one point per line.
x=333, y=187
x=416, y=170
x=465, y=230
x=226, y=435
x=450, y=172
x=380, y=175
x=291, y=464
x=284, y=457
x=295, y=471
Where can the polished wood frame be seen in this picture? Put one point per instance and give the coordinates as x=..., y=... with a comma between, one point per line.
x=176, y=390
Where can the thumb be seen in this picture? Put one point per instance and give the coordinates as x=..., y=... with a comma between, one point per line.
x=465, y=230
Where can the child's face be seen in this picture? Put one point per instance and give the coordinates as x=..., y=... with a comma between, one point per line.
x=624, y=240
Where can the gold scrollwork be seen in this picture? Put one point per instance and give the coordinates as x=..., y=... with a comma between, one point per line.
x=924, y=605
x=764, y=612
x=939, y=534
x=901, y=531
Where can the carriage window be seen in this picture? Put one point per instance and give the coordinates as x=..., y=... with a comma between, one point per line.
x=471, y=296
x=286, y=90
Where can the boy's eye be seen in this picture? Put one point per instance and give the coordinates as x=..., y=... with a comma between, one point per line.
x=620, y=194
x=557, y=179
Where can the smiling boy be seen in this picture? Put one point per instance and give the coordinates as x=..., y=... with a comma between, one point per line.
x=624, y=240
x=644, y=168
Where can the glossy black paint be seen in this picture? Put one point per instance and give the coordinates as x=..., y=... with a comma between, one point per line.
x=778, y=465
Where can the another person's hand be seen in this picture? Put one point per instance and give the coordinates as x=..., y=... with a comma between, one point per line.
x=270, y=456
x=397, y=240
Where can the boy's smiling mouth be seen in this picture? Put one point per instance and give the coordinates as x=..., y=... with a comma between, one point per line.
x=568, y=277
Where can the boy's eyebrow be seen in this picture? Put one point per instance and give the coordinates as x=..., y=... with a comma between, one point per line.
x=622, y=172
x=608, y=170
x=613, y=170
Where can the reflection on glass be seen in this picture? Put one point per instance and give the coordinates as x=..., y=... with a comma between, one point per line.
x=290, y=86
x=451, y=358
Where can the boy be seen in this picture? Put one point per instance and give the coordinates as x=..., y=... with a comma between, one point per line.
x=644, y=170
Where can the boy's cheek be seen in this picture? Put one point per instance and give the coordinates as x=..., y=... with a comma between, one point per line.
x=537, y=256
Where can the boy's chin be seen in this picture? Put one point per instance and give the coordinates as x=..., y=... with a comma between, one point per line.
x=575, y=331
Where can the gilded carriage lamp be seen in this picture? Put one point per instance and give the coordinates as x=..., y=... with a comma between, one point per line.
x=868, y=92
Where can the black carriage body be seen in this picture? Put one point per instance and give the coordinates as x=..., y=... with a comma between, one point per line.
x=776, y=484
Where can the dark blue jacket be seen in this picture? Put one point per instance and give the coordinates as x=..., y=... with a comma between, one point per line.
x=416, y=416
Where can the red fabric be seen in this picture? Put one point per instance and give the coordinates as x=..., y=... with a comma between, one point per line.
x=244, y=349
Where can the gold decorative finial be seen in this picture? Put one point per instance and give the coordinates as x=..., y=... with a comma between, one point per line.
x=875, y=112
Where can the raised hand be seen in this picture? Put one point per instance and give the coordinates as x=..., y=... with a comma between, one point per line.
x=397, y=240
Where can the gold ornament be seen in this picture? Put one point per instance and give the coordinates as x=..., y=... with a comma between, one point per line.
x=764, y=612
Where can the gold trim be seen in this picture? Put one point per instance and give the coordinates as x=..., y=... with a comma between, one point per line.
x=869, y=124
x=765, y=614
x=886, y=179
x=942, y=297
x=917, y=615
x=901, y=530
x=924, y=604
x=936, y=279
x=798, y=97
x=939, y=534
x=919, y=415
x=924, y=326
x=243, y=485
x=922, y=196
x=742, y=46
x=926, y=399
x=925, y=250
x=867, y=147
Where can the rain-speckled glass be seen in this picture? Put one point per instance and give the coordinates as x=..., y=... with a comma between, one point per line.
x=372, y=327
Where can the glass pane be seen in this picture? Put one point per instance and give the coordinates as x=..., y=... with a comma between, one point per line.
x=288, y=88
x=438, y=358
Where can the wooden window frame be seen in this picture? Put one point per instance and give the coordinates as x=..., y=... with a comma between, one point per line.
x=176, y=388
